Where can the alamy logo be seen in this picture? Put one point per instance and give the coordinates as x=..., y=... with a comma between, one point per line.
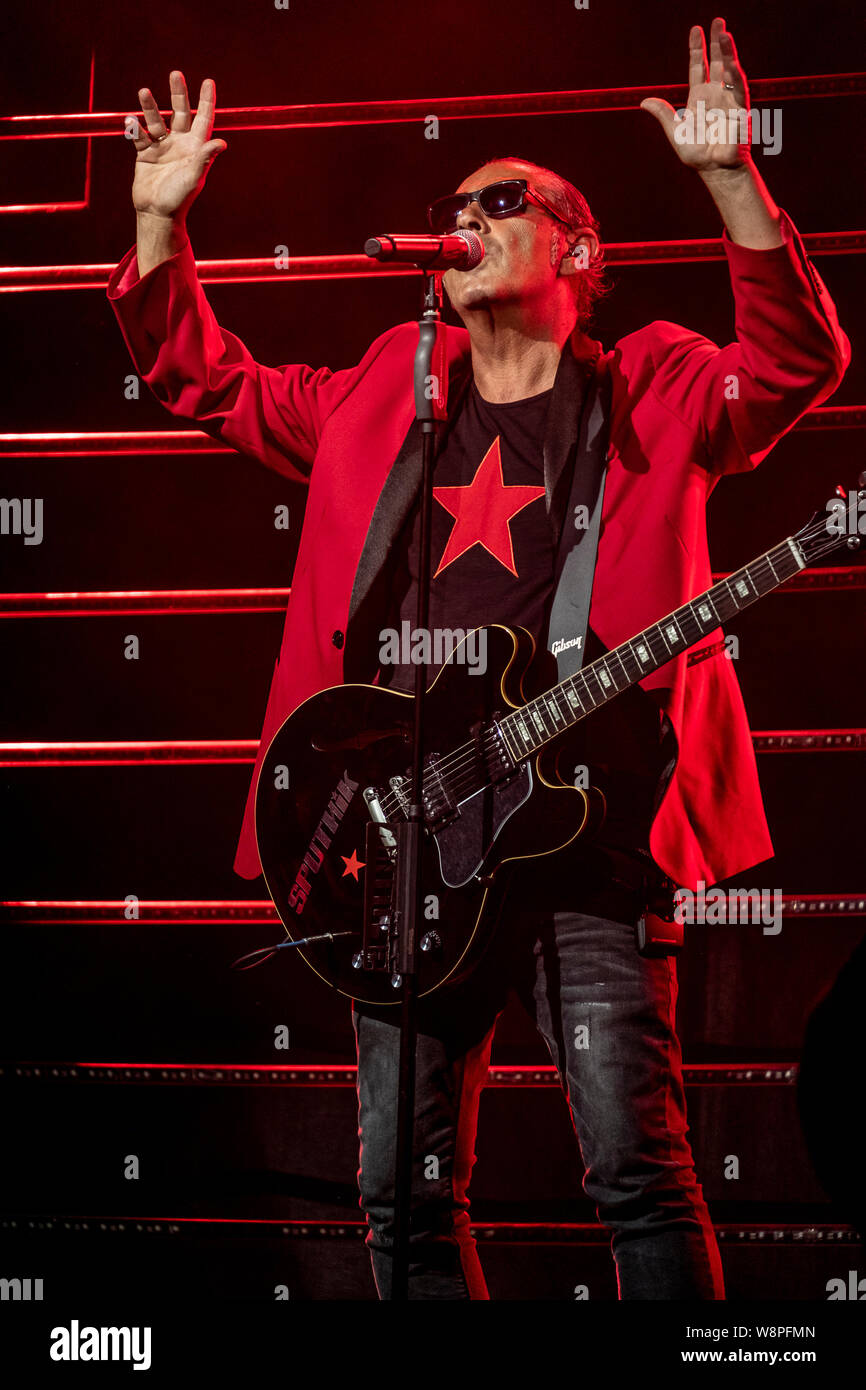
x=22, y=516
x=21, y=1290
x=75, y=1343
x=412, y=646
x=847, y=515
x=736, y=905
x=855, y=1288
x=729, y=125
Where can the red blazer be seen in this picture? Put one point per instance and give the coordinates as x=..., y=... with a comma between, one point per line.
x=684, y=411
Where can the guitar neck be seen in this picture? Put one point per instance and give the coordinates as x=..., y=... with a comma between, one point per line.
x=546, y=717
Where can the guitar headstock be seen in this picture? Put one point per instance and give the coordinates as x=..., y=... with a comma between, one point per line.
x=840, y=525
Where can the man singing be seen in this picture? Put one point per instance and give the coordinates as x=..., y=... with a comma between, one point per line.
x=672, y=755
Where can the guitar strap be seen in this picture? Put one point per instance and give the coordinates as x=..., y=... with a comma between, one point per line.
x=574, y=569
x=657, y=933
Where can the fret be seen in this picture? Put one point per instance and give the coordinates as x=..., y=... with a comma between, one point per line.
x=725, y=603
x=585, y=690
x=552, y=704
x=642, y=652
x=512, y=722
x=731, y=590
x=773, y=569
x=600, y=691
x=535, y=716
x=605, y=678
x=692, y=625
x=632, y=669
x=658, y=644
x=764, y=575
x=706, y=614
x=671, y=630
x=509, y=739
x=574, y=698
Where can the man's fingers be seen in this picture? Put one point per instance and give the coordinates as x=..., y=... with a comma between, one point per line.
x=204, y=116
x=733, y=73
x=717, y=65
x=142, y=140
x=663, y=112
x=697, y=56
x=729, y=48
x=182, y=118
x=212, y=149
x=152, y=117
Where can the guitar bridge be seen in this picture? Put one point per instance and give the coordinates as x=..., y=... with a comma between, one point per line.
x=376, y=940
x=438, y=800
x=386, y=944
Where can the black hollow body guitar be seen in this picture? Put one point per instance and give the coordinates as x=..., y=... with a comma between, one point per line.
x=493, y=792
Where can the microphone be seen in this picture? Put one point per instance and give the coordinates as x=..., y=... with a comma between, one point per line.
x=461, y=250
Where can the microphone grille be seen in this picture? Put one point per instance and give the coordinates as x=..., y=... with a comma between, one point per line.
x=475, y=246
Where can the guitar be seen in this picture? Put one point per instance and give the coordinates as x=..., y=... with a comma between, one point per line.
x=492, y=788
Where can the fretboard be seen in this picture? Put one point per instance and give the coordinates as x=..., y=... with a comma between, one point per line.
x=548, y=715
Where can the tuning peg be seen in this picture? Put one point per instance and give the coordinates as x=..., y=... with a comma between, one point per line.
x=861, y=481
x=853, y=542
x=842, y=492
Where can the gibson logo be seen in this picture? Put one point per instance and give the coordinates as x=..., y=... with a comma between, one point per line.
x=561, y=645
x=322, y=837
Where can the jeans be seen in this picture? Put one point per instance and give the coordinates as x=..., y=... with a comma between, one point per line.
x=607, y=1015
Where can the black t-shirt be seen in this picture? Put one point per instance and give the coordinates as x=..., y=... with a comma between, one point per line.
x=492, y=557
x=491, y=539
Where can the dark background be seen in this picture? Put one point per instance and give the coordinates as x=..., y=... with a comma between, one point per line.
x=128, y=992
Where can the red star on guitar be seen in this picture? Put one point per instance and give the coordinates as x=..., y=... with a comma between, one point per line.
x=482, y=510
x=352, y=864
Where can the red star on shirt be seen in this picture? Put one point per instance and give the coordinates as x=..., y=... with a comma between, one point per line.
x=352, y=865
x=482, y=510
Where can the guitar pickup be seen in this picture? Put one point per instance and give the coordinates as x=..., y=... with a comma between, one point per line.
x=440, y=804
x=492, y=753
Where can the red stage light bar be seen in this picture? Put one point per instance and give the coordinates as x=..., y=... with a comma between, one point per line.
x=258, y=270
x=320, y=1074
x=147, y=752
x=140, y=443
x=17, y=279
x=577, y=1233
x=129, y=752
x=766, y=90
x=109, y=443
x=106, y=603
x=151, y=912
x=77, y=205
x=810, y=741
x=211, y=912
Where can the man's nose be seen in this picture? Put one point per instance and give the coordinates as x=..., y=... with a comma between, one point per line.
x=471, y=218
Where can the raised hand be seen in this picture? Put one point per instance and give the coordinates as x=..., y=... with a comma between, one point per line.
x=171, y=166
x=702, y=140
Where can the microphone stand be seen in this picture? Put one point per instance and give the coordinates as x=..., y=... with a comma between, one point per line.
x=430, y=415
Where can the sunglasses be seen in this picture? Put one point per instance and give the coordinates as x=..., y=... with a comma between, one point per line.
x=505, y=198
